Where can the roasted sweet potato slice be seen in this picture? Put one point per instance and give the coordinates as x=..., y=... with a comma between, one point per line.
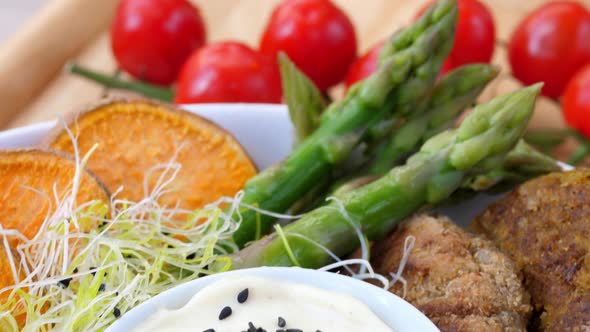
x=29, y=182
x=7, y=280
x=134, y=137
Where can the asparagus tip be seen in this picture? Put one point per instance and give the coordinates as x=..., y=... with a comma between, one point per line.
x=536, y=88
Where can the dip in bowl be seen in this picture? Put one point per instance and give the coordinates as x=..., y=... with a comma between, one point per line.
x=302, y=298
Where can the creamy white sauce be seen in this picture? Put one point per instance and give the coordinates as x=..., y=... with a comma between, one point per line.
x=303, y=307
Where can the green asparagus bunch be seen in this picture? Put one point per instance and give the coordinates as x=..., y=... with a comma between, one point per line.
x=410, y=62
x=440, y=167
x=457, y=90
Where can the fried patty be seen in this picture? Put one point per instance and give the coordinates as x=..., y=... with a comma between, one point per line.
x=460, y=281
x=544, y=225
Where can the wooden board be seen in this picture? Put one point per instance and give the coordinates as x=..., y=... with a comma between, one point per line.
x=33, y=87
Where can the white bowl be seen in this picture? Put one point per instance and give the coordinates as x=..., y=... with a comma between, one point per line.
x=395, y=312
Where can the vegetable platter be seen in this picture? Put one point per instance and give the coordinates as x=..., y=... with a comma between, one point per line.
x=131, y=197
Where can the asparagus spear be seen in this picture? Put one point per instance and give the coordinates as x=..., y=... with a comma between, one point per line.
x=455, y=92
x=304, y=99
x=429, y=176
x=410, y=62
x=522, y=163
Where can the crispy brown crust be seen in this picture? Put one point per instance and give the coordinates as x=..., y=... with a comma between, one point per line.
x=543, y=226
x=460, y=281
x=133, y=136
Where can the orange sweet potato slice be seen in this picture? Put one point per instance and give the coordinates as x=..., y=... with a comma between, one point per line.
x=47, y=172
x=135, y=136
x=7, y=280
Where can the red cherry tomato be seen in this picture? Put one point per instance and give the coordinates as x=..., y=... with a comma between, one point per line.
x=576, y=101
x=316, y=35
x=475, y=35
x=151, y=39
x=364, y=66
x=550, y=45
x=228, y=72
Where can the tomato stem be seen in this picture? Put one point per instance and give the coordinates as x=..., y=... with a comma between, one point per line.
x=115, y=82
x=548, y=136
x=579, y=154
x=548, y=139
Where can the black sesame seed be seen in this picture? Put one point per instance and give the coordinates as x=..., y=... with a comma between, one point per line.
x=294, y=330
x=75, y=270
x=282, y=322
x=101, y=288
x=243, y=296
x=225, y=312
x=65, y=283
x=191, y=256
x=117, y=312
x=93, y=272
x=209, y=330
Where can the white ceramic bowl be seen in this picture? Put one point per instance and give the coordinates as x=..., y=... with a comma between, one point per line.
x=395, y=312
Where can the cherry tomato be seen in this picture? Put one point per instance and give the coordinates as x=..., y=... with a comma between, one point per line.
x=316, y=35
x=550, y=45
x=475, y=35
x=228, y=72
x=151, y=39
x=576, y=101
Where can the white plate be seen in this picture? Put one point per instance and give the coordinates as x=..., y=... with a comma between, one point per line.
x=394, y=311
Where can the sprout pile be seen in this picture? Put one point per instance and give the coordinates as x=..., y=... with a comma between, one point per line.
x=92, y=262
